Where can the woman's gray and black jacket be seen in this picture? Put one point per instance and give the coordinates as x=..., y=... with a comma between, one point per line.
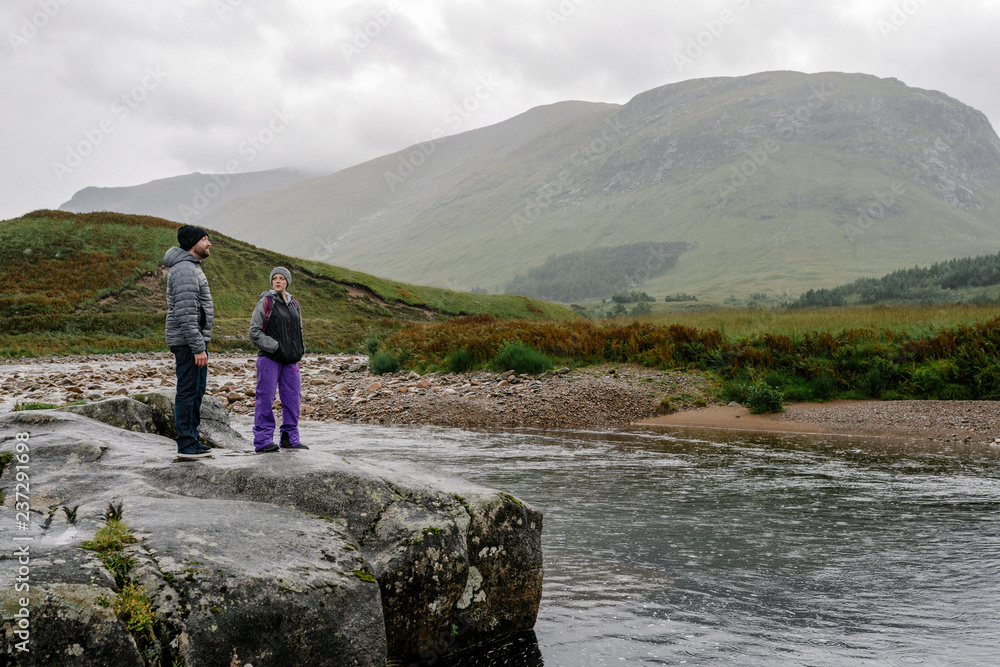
x=189, y=302
x=282, y=340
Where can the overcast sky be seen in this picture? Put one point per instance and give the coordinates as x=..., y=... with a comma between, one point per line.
x=112, y=93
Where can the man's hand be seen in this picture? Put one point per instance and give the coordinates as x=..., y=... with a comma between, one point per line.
x=201, y=359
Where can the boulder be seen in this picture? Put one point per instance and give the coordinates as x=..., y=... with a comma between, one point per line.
x=121, y=412
x=215, y=429
x=284, y=558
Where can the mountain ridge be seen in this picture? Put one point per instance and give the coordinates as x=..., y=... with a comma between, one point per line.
x=185, y=198
x=786, y=181
x=780, y=181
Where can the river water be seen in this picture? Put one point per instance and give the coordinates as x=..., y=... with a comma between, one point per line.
x=686, y=547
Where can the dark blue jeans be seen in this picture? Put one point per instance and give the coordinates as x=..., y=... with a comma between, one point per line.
x=191, y=383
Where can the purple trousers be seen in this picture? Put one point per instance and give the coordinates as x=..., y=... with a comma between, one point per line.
x=286, y=378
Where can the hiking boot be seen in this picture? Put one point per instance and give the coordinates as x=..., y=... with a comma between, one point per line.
x=286, y=443
x=192, y=452
x=268, y=448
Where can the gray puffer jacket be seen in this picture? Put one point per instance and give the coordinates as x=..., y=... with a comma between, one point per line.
x=189, y=303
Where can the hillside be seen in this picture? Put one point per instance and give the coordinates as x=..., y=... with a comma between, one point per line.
x=780, y=182
x=182, y=198
x=81, y=283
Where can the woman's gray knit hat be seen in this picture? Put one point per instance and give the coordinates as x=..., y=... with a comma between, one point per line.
x=283, y=271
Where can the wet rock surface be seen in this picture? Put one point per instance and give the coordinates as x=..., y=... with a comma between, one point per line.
x=285, y=558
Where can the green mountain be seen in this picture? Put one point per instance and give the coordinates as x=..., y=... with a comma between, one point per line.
x=83, y=283
x=183, y=198
x=779, y=182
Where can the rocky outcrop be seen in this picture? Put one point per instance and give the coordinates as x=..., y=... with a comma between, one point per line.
x=153, y=412
x=120, y=412
x=289, y=558
x=214, y=429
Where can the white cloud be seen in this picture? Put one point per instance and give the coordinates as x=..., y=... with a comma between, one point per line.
x=366, y=78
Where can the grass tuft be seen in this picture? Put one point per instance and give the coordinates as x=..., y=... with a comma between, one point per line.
x=521, y=358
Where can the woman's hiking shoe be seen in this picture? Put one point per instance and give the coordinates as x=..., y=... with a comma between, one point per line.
x=193, y=452
x=266, y=449
x=287, y=444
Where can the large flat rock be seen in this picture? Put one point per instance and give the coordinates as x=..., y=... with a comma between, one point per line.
x=288, y=558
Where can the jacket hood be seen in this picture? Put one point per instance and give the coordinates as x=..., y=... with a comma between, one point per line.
x=176, y=255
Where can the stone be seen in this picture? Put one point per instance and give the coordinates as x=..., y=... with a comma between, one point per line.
x=66, y=621
x=353, y=561
x=121, y=412
x=214, y=429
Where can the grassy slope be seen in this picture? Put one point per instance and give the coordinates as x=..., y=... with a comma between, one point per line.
x=90, y=283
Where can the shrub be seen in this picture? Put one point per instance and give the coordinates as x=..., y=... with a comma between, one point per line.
x=516, y=356
x=877, y=378
x=931, y=378
x=797, y=390
x=136, y=608
x=642, y=308
x=955, y=392
x=735, y=390
x=763, y=399
x=382, y=363
x=823, y=387
x=665, y=406
x=461, y=361
x=775, y=379
x=371, y=345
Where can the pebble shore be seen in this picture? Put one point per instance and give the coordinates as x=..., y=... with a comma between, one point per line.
x=968, y=421
x=340, y=388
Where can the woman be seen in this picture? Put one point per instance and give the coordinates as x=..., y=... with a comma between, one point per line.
x=276, y=330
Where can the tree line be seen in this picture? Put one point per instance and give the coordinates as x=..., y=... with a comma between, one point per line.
x=917, y=285
x=597, y=273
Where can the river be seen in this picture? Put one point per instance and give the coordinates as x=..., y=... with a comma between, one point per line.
x=686, y=547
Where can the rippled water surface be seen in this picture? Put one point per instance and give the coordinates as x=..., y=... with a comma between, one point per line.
x=707, y=548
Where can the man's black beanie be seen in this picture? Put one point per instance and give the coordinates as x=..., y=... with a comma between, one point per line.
x=189, y=235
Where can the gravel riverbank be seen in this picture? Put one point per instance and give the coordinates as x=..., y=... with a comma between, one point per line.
x=340, y=388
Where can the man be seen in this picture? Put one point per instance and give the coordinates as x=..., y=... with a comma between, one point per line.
x=188, y=330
